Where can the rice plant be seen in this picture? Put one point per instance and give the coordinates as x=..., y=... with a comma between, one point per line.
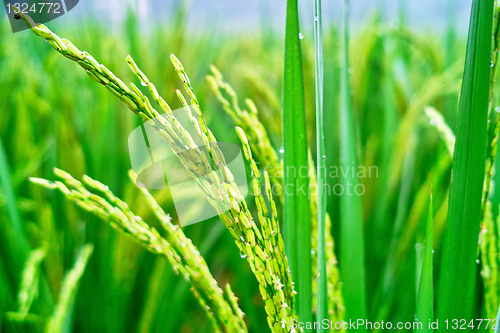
x=372, y=191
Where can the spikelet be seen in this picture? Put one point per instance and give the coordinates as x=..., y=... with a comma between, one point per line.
x=248, y=237
x=175, y=246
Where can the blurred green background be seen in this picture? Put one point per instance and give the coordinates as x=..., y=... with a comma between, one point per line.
x=52, y=114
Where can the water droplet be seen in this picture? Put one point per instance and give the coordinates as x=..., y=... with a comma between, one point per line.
x=478, y=261
x=316, y=18
x=432, y=251
x=282, y=150
x=301, y=36
x=312, y=251
x=143, y=84
x=432, y=122
x=492, y=64
x=323, y=157
x=497, y=109
x=243, y=255
x=183, y=244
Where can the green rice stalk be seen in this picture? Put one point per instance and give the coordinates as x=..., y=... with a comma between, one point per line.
x=12, y=235
x=28, y=291
x=269, y=224
x=322, y=287
x=297, y=215
x=248, y=120
x=175, y=246
x=437, y=120
x=154, y=295
x=425, y=300
x=438, y=85
x=419, y=205
x=262, y=149
x=197, y=272
x=334, y=286
x=489, y=244
x=490, y=163
x=249, y=239
x=451, y=102
x=351, y=230
x=62, y=313
x=238, y=218
x=458, y=262
x=392, y=269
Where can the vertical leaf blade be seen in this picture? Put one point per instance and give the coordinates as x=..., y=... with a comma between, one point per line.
x=352, y=243
x=322, y=293
x=458, y=263
x=296, y=185
x=425, y=300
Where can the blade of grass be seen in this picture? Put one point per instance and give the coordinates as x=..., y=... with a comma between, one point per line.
x=451, y=102
x=322, y=293
x=296, y=184
x=490, y=261
x=351, y=230
x=458, y=263
x=385, y=294
x=28, y=291
x=425, y=300
x=13, y=242
x=494, y=146
x=62, y=314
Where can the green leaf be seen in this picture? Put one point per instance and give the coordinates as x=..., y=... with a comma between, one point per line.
x=62, y=313
x=351, y=230
x=322, y=292
x=297, y=214
x=425, y=298
x=12, y=239
x=458, y=262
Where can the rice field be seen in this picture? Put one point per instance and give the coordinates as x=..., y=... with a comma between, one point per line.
x=369, y=153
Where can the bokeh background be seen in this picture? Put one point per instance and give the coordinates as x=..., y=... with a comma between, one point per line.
x=405, y=55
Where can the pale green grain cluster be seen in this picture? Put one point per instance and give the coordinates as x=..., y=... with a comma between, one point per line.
x=224, y=195
x=265, y=268
x=29, y=283
x=249, y=121
x=260, y=145
x=221, y=192
x=175, y=246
